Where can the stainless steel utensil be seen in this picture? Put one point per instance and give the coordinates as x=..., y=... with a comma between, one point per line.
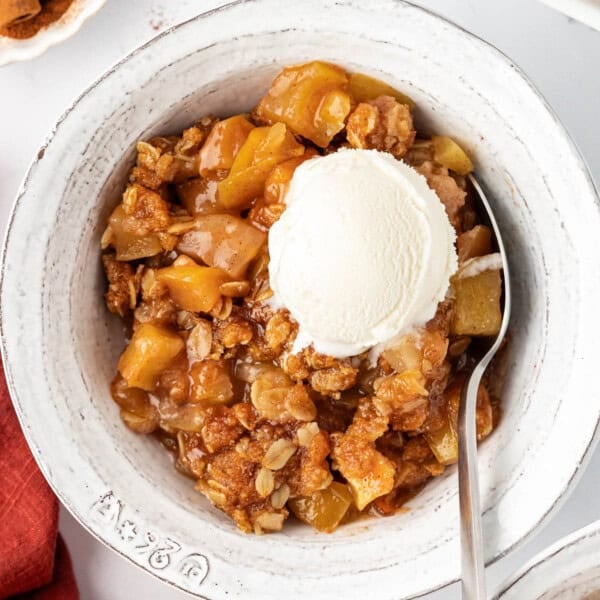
x=473, y=567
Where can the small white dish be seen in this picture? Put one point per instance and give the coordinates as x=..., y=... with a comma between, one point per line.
x=567, y=570
x=585, y=11
x=13, y=50
x=60, y=345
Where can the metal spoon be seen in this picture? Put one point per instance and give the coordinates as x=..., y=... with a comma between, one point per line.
x=473, y=567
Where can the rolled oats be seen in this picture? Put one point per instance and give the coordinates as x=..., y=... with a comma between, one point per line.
x=280, y=496
x=278, y=454
x=270, y=521
x=265, y=482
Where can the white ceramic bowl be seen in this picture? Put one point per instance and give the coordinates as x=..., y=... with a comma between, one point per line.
x=61, y=345
x=567, y=570
x=12, y=50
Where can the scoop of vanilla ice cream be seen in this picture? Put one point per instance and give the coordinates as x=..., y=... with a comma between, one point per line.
x=363, y=252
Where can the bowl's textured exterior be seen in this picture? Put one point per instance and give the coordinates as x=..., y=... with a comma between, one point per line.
x=60, y=344
x=567, y=570
x=13, y=50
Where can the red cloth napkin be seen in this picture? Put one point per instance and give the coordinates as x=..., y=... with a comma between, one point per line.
x=34, y=561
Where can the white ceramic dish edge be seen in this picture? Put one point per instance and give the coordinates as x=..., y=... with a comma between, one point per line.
x=566, y=570
x=585, y=11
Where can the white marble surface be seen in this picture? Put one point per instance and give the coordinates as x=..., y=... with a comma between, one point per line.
x=557, y=53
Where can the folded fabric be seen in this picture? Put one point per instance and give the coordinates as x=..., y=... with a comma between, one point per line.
x=34, y=561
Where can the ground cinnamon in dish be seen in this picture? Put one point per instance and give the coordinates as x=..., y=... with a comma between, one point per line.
x=52, y=10
x=15, y=11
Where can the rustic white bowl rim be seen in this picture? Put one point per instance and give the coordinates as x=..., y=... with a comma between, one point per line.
x=14, y=50
x=567, y=569
x=190, y=573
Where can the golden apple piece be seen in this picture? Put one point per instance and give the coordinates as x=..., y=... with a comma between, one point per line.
x=150, y=351
x=127, y=240
x=193, y=287
x=223, y=143
x=450, y=155
x=199, y=196
x=324, y=509
x=477, y=291
x=364, y=88
x=265, y=148
x=278, y=181
x=223, y=241
x=311, y=99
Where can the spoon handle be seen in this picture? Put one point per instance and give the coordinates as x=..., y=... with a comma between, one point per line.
x=473, y=568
